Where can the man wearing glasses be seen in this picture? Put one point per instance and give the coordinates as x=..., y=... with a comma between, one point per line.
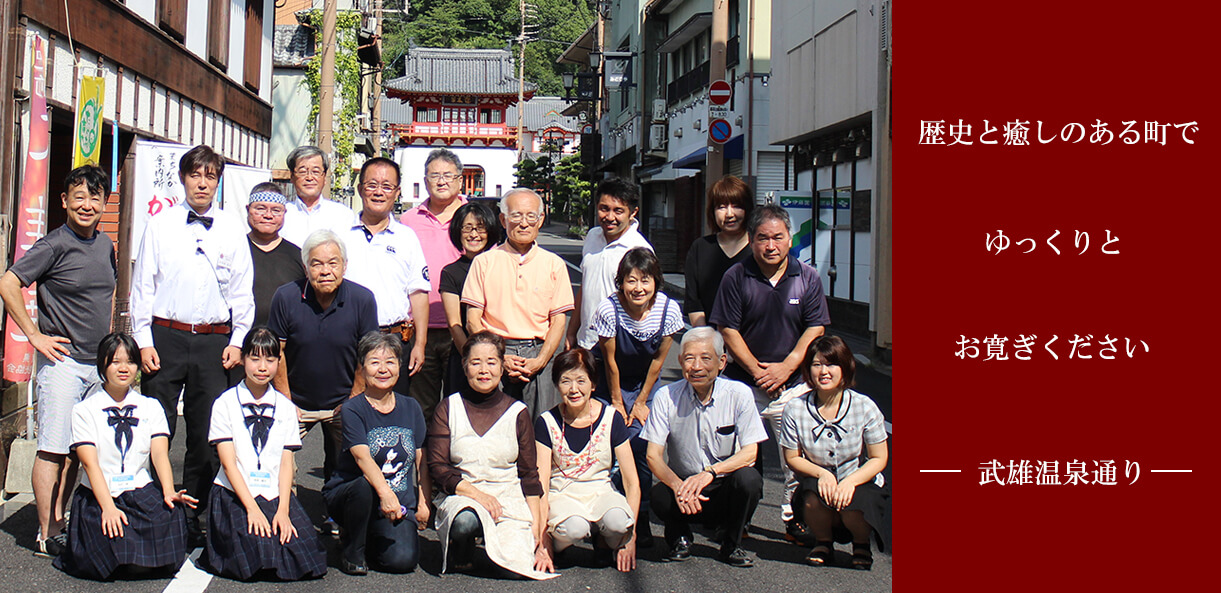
x=276, y=261
x=430, y=221
x=386, y=257
x=309, y=211
x=522, y=293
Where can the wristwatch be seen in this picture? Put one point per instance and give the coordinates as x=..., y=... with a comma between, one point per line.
x=708, y=468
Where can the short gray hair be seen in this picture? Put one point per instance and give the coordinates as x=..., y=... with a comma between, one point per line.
x=305, y=152
x=444, y=154
x=703, y=334
x=767, y=212
x=318, y=238
x=504, y=200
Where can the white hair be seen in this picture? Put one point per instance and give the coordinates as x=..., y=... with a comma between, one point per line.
x=504, y=200
x=703, y=334
x=318, y=238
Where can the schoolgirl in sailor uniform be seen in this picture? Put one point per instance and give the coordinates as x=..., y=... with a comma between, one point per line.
x=256, y=526
x=123, y=523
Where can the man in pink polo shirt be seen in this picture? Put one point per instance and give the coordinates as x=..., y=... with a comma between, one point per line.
x=430, y=221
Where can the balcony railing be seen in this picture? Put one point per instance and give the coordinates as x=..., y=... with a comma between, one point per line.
x=685, y=85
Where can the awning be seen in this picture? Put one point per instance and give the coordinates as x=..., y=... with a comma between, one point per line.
x=697, y=158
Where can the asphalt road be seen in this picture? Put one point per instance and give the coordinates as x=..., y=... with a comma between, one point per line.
x=779, y=566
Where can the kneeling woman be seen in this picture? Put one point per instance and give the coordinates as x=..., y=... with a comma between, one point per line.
x=823, y=435
x=123, y=524
x=379, y=491
x=482, y=456
x=578, y=443
x=255, y=523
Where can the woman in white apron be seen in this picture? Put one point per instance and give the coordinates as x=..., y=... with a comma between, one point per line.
x=482, y=457
x=578, y=443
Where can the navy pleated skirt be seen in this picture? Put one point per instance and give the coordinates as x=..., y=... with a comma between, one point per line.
x=155, y=536
x=869, y=499
x=233, y=552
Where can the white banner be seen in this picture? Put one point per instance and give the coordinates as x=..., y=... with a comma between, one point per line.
x=157, y=187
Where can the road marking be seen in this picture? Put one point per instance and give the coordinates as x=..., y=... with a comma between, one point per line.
x=190, y=579
x=14, y=504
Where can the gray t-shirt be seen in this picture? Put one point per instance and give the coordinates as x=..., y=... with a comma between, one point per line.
x=75, y=279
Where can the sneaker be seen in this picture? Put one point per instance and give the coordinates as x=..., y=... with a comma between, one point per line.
x=681, y=550
x=353, y=568
x=736, y=557
x=52, y=546
x=796, y=532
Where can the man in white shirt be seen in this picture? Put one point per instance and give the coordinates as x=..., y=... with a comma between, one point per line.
x=386, y=257
x=191, y=306
x=616, y=233
x=309, y=211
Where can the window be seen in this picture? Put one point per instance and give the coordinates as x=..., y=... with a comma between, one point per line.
x=172, y=17
x=427, y=115
x=458, y=115
x=254, y=44
x=491, y=116
x=218, y=33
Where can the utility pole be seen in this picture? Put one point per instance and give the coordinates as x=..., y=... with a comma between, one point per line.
x=326, y=89
x=715, y=164
x=377, y=84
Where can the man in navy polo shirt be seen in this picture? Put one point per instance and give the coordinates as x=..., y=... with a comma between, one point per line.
x=769, y=308
x=319, y=320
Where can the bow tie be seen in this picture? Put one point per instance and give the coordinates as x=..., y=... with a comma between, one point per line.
x=832, y=430
x=259, y=425
x=122, y=421
x=206, y=221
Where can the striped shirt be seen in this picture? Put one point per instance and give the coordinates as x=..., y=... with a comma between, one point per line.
x=611, y=314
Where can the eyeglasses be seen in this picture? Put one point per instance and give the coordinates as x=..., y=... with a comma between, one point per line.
x=529, y=217
x=447, y=177
x=473, y=228
x=303, y=172
x=266, y=209
x=371, y=187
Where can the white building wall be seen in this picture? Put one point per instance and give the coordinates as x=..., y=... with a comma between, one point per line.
x=497, y=164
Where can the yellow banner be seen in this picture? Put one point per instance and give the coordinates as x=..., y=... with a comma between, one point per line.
x=87, y=144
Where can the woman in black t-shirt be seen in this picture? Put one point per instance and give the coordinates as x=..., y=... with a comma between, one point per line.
x=730, y=202
x=379, y=493
x=473, y=231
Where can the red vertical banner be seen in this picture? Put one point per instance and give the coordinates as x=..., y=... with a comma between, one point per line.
x=31, y=215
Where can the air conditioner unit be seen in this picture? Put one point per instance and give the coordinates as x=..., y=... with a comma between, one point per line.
x=657, y=137
x=659, y=110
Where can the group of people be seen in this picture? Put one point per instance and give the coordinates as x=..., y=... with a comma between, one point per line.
x=450, y=385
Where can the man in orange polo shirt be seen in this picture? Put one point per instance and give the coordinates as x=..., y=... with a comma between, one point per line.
x=522, y=293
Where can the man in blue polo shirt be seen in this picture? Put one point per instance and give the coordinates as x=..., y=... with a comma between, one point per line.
x=319, y=320
x=769, y=308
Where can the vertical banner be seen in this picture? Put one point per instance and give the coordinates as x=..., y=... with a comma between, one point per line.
x=31, y=213
x=799, y=205
x=87, y=142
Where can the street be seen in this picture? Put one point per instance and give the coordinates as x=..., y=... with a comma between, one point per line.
x=779, y=567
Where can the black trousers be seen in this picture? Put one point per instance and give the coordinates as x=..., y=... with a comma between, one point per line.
x=731, y=503
x=190, y=365
x=390, y=546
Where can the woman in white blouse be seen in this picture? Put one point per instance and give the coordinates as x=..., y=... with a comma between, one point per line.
x=825, y=433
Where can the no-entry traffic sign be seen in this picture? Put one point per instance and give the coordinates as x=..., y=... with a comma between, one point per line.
x=720, y=131
x=719, y=92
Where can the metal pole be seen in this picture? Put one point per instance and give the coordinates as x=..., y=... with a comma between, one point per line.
x=377, y=84
x=715, y=163
x=326, y=88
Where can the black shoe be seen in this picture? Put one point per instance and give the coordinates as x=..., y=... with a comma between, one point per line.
x=736, y=557
x=352, y=568
x=681, y=550
x=796, y=532
x=52, y=546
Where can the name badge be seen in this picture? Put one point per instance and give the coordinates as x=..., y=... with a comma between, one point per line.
x=259, y=480
x=121, y=483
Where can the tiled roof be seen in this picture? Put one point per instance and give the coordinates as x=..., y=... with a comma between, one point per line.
x=458, y=71
x=542, y=113
x=293, y=45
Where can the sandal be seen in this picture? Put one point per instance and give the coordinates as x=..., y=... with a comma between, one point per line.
x=862, y=557
x=822, y=554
